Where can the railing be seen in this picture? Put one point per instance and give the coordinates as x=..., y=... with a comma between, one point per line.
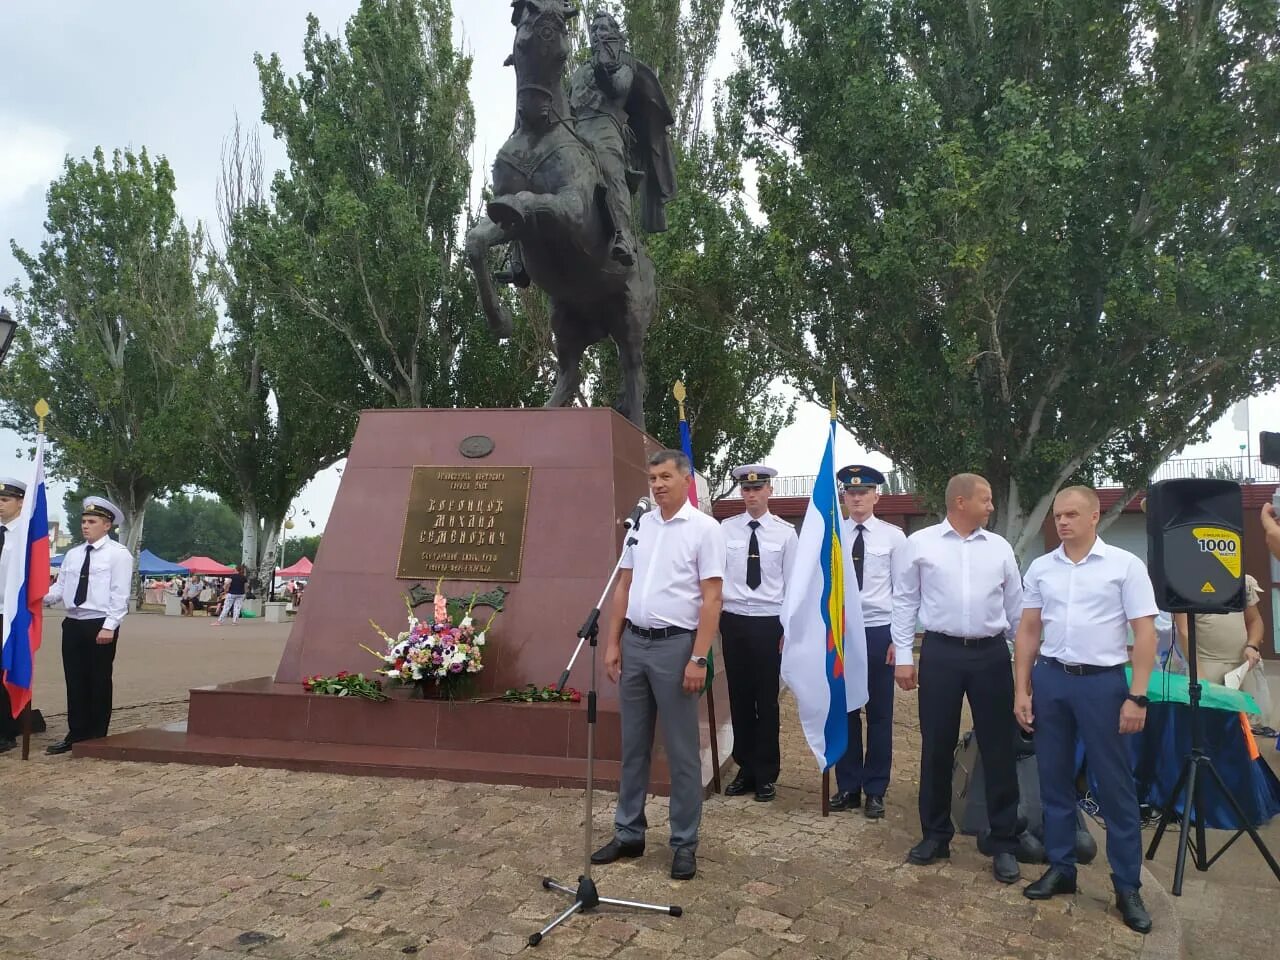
x=1242, y=469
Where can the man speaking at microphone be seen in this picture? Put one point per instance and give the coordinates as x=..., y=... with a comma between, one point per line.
x=664, y=616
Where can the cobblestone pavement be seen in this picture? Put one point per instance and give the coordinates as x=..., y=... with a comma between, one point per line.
x=101, y=859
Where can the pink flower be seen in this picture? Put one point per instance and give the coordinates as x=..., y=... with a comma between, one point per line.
x=441, y=609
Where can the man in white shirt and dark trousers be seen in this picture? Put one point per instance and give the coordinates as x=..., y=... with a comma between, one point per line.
x=760, y=552
x=665, y=614
x=962, y=583
x=12, y=493
x=1085, y=596
x=93, y=584
x=876, y=547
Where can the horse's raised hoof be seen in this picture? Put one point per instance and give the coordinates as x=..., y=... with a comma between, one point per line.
x=505, y=213
x=501, y=325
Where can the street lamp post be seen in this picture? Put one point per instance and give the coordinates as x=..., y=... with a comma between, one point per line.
x=8, y=327
x=284, y=538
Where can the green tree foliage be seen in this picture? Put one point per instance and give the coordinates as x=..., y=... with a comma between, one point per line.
x=1033, y=239
x=185, y=526
x=276, y=422
x=361, y=251
x=117, y=323
x=711, y=299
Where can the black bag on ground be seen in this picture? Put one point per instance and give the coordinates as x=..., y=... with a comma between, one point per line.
x=969, y=802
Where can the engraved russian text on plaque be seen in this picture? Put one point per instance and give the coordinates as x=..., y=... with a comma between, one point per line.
x=465, y=523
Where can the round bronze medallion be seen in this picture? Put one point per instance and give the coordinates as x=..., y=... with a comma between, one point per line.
x=476, y=446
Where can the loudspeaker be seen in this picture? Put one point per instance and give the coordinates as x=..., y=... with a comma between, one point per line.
x=1194, y=548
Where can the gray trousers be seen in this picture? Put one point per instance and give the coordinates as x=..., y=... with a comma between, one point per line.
x=650, y=689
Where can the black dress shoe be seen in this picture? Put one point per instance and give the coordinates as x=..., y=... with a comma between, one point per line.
x=1134, y=911
x=683, y=864
x=7, y=744
x=615, y=849
x=739, y=785
x=874, y=810
x=927, y=851
x=62, y=746
x=765, y=792
x=846, y=800
x=1004, y=867
x=1054, y=881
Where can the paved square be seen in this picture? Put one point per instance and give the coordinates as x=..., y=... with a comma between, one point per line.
x=101, y=859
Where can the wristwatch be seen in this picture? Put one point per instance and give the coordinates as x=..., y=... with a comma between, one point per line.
x=700, y=661
x=1140, y=701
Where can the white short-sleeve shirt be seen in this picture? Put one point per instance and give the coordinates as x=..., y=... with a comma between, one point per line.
x=670, y=560
x=1086, y=607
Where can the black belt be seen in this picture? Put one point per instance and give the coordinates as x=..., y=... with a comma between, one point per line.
x=965, y=641
x=1080, y=669
x=660, y=633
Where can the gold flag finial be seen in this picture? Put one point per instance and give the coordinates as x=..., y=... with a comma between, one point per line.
x=678, y=392
x=42, y=411
x=833, y=398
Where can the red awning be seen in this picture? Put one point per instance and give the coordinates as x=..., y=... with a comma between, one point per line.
x=300, y=569
x=207, y=567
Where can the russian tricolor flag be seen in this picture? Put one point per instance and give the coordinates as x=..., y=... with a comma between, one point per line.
x=824, y=658
x=26, y=583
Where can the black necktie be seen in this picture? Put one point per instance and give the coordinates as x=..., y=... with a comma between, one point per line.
x=3, y=531
x=859, y=553
x=82, y=588
x=753, y=557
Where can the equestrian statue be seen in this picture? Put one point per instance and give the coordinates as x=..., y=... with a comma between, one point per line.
x=563, y=185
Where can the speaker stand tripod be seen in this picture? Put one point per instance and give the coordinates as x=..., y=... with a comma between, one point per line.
x=585, y=896
x=1195, y=767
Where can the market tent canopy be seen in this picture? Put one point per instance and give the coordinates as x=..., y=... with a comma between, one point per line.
x=300, y=569
x=207, y=567
x=149, y=565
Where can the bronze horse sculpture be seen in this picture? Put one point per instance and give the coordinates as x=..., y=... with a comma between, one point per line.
x=551, y=182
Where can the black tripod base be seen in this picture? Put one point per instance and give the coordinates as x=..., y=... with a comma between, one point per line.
x=586, y=897
x=1195, y=768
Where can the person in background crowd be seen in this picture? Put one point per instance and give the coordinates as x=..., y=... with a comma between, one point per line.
x=191, y=595
x=1225, y=641
x=1271, y=529
x=236, y=587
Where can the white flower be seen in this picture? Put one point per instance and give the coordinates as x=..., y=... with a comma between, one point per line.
x=479, y=639
x=466, y=622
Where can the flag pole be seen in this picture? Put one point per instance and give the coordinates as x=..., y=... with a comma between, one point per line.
x=679, y=393
x=42, y=411
x=826, y=774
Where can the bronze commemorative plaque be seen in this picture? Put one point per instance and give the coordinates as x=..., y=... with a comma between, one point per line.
x=465, y=523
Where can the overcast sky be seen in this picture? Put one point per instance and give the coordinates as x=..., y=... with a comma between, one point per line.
x=173, y=76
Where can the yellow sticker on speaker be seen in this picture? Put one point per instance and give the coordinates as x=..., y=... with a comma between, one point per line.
x=1208, y=588
x=1223, y=544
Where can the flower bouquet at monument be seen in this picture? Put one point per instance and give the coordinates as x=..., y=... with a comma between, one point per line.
x=435, y=652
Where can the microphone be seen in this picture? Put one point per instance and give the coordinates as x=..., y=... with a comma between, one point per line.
x=643, y=506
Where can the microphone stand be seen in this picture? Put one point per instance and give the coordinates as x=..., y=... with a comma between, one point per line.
x=1189, y=789
x=585, y=896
